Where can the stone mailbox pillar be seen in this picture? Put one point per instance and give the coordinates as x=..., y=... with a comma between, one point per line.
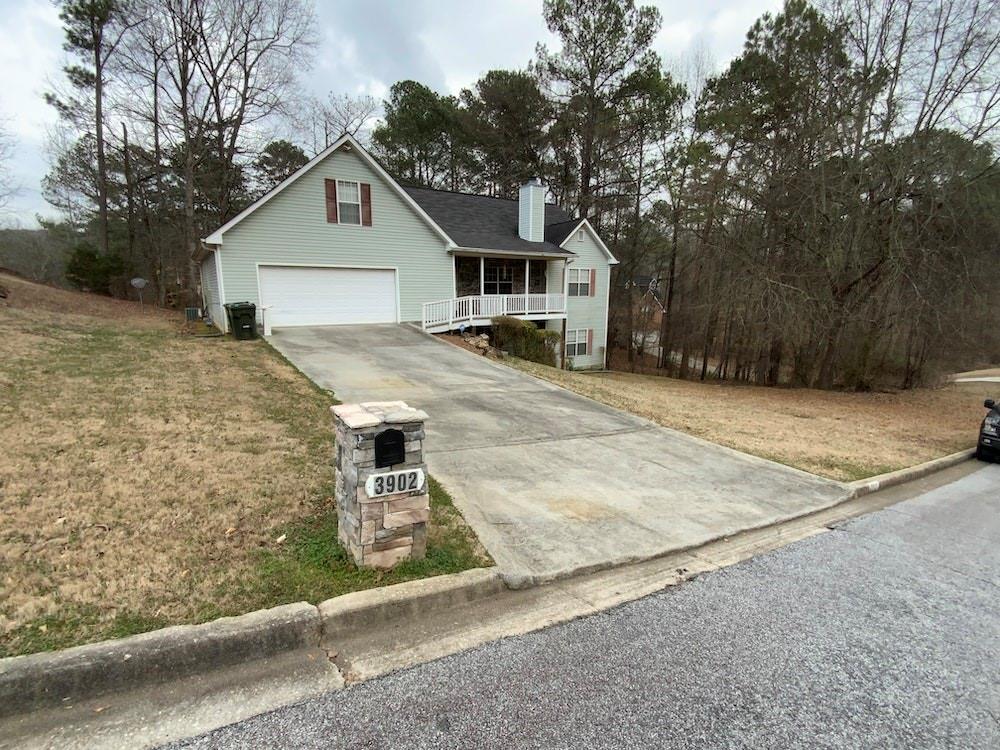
x=381, y=490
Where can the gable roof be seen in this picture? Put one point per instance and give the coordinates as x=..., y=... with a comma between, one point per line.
x=585, y=225
x=464, y=220
x=215, y=238
x=483, y=223
x=559, y=233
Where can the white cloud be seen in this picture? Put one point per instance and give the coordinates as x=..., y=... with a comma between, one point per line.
x=734, y=20
x=30, y=57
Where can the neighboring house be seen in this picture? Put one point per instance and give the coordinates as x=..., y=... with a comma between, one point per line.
x=341, y=242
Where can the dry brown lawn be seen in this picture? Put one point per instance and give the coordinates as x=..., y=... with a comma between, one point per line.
x=990, y=372
x=844, y=436
x=150, y=477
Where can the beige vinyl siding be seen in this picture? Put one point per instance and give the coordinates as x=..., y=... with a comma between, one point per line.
x=210, y=292
x=291, y=229
x=554, y=276
x=589, y=312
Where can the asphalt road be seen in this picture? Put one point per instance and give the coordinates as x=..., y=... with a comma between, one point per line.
x=882, y=633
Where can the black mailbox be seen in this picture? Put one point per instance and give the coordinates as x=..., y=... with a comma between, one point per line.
x=390, y=448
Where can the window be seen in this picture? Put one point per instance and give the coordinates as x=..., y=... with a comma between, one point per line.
x=579, y=282
x=348, y=202
x=498, y=276
x=576, y=342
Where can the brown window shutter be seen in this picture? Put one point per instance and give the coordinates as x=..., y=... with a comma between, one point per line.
x=366, y=204
x=593, y=282
x=331, y=201
x=590, y=341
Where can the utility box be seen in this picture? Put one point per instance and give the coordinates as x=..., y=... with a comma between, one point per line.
x=382, y=498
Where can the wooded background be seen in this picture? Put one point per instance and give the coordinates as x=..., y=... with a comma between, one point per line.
x=824, y=211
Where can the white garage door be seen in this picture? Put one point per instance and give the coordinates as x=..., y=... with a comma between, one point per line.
x=327, y=296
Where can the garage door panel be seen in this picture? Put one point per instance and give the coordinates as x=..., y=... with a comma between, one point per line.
x=315, y=296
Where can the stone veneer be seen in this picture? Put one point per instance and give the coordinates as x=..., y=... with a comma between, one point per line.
x=382, y=531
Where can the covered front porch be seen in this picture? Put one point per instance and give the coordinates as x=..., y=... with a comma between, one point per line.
x=487, y=286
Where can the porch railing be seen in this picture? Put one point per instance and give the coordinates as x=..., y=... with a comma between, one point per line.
x=452, y=312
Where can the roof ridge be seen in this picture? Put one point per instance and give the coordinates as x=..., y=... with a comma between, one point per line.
x=470, y=195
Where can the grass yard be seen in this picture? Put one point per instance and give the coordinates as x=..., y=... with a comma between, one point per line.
x=844, y=436
x=150, y=477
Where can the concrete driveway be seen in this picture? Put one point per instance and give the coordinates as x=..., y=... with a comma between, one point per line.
x=552, y=482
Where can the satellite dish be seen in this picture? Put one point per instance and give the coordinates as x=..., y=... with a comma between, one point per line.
x=139, y=283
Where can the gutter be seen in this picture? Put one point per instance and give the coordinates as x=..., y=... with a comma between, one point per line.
x=515, y=253
x=203, y=250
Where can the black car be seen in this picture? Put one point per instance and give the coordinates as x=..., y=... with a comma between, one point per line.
x=988, y=447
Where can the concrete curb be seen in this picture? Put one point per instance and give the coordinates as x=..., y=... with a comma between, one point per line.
x=520, y=580
x=364, y=610
x=53, y=678
x=48, y=679
x=880, y=482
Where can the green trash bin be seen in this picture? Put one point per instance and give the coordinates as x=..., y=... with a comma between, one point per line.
x=242, y=320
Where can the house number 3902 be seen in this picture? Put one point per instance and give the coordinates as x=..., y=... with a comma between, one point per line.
x=408, y=480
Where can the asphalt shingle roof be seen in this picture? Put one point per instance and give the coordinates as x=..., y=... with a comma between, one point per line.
x=477, y=221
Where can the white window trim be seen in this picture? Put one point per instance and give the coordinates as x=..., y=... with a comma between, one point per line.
x=340, y=200
x=579, y=271
x=580, y=336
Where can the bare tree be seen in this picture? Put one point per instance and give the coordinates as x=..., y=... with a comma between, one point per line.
x=829, y=216
x=7, y=187
x=192, y=87
x=247, y=54
x=320, y=122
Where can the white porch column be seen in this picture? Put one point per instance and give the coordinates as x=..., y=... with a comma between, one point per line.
x=482, y=275
x=527, y=278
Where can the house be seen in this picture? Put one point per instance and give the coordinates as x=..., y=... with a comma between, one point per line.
x=645, y=316
x=341, y=242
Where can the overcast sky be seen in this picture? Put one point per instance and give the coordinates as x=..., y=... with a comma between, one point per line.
x=366, y=45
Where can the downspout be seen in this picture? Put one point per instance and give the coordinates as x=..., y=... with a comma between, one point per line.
x=222, y=288
x=562, y=356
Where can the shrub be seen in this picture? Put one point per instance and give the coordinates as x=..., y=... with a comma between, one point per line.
x=523, y=339
x=90, y=271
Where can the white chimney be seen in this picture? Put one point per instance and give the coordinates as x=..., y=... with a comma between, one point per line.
x=531, y=211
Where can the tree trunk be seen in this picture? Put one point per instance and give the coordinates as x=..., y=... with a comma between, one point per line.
x=774, y=361
x=130, y=194
x=824, y=378
x=190, y=236
x=666, y=330
x=104, y=234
